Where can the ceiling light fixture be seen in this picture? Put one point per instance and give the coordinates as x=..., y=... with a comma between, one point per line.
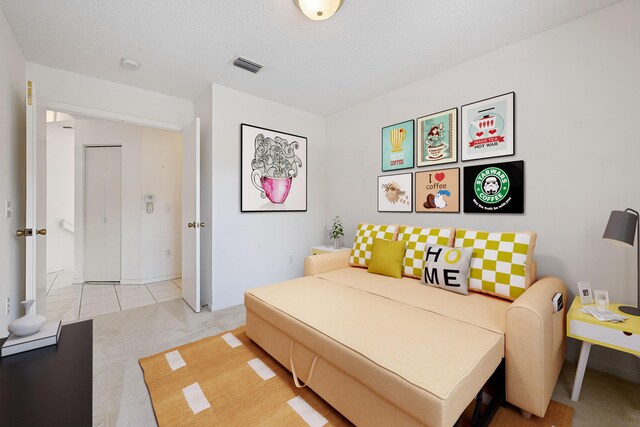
x=129, y=64
x=318, y=10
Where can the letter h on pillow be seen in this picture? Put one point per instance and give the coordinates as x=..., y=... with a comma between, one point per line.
x=447, y=268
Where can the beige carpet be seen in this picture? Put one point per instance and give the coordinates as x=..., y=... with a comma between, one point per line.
x=213, y=383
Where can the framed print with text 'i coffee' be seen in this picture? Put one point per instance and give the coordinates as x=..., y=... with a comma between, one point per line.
x=494, y=188
x=438, y=138
x=488, y=128
x=438, y=190
x=397, y=146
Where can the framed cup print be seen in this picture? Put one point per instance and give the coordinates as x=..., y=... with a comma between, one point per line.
x=488, y=128
x=395, y=193
x=438, y=190
x=438, y=138
x=273, y=170
x=397, y=146
x=494, y=188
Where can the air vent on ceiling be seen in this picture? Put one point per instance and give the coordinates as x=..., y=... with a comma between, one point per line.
x=245, y=64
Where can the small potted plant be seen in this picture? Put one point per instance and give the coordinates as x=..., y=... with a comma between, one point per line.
x=337, y=231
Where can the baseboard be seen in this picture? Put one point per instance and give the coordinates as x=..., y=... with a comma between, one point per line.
x=150, y=280
x=227, y=304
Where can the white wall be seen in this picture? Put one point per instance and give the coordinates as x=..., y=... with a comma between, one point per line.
x=12, y=170
x=60, y=193
x=203, y=106
x=577, y=92
x=253, y=249
x=101, y=98
x=151, y=164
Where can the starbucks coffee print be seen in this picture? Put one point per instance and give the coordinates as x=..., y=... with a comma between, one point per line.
x=273, y=170
x=438, y=191
x=494, y=188
x=488, y=128
x=438, y=138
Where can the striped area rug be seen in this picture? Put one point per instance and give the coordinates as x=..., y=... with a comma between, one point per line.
x=228, y=380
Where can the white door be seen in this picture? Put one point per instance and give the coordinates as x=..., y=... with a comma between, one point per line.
x=36, y=202
x=103, y=214
x=191, y=215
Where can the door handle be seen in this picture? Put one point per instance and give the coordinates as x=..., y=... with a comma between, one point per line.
x=42, y=232
x=201, y=225
x=191, y=225
x=27, y=232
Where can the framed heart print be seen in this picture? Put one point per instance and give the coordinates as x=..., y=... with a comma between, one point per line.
x=438, y=190
x=488, y=128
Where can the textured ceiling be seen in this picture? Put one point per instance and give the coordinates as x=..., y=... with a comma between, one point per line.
x=368, y=48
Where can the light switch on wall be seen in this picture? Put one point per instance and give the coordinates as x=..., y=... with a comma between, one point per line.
x=8, y=210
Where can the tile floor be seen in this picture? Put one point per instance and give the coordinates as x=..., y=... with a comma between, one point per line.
x=68, y=301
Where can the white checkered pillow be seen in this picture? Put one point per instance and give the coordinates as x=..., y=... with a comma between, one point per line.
x=417, y=239
x=501, y=262
x=361, y=252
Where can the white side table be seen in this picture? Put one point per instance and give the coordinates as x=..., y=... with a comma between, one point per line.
x=323, y=249
x=624, y=336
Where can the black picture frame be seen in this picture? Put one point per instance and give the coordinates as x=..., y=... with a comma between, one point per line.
x=261, y=199
x=508, y=132
x=453, y=128
x=433, y=209
x=478, y=200
x=403, y=198
x=383, y=144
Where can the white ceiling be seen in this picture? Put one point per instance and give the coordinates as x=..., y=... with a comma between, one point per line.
x=368, y=48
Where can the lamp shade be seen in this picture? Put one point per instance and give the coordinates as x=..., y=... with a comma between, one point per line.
x=621, y=227
x=319, y=10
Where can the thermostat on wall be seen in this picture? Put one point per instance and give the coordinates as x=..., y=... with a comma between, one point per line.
x=149, y=200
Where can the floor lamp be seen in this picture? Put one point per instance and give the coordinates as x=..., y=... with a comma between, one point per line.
x=622, y=227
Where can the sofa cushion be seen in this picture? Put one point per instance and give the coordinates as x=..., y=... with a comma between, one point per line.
x=363, y=243
x=416, y=239
x=428, y=365
x=501, y=263
x=386, y=258
x=476, y=309
x=447, y=268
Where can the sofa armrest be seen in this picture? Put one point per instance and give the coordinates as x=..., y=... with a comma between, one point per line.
x=321, y=263
x=535, y=346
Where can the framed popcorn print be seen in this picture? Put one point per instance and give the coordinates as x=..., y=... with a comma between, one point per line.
x=488, y=128
x=397, y=146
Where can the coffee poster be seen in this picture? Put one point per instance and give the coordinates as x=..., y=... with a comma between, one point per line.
x=488, y=128
x=438, y=138
x=438, y=190
x=273, y=170
x=395, y=193
x=397, y=146
x=494, y=188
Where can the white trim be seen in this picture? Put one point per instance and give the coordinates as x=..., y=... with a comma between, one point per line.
x=108, y=115
x=227, y=305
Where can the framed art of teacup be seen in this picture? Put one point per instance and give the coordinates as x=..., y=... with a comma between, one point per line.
x=273, y=170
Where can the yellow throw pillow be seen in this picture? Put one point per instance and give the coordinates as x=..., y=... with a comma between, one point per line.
x=386, y=257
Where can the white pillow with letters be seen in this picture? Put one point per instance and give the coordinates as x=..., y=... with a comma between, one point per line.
x=447, y=268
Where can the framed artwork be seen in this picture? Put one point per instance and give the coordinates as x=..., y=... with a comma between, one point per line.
x=273, y=170
x=494, y=188
x=395, y=193
x=584, y=289
x=488, y=128
x=601, y=298
x=438, y=138
x=438, y=190
x=397, y=146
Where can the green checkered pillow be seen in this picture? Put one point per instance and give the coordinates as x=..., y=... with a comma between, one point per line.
x=417, y=239
x=361, y=252
x=501, y=262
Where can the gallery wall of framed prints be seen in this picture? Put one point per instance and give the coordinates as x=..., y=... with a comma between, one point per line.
x=484, y=130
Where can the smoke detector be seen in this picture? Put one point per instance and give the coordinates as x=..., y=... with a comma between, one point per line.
x=129, y=64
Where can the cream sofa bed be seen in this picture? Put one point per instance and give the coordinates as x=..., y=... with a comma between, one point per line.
x=387, y=351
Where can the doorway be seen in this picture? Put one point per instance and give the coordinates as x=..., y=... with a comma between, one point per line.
x=123, y=217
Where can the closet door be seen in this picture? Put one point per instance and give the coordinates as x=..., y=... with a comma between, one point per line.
x=103, y=214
